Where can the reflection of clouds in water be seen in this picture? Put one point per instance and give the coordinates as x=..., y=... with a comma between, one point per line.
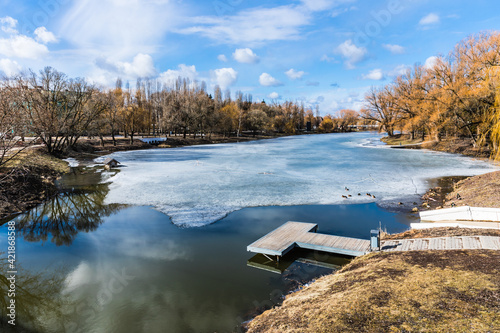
x=80, y=276
x=166, y=249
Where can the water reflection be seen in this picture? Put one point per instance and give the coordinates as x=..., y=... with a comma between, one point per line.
x=315, y=258
x=37, y=299
x=67, y=214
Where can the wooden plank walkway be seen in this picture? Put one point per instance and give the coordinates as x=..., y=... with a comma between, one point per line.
x=443, y=243
x=291, y=234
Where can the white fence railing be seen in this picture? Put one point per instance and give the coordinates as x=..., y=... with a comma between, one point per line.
x=464, y=213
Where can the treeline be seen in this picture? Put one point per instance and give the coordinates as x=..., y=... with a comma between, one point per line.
x=59, y=110
x=457, y=96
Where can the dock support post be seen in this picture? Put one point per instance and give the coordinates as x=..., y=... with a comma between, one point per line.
x=374, y=240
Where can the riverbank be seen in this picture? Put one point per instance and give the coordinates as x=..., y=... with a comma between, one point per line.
x=463, y=146
x=29, y=180
x=417, y=291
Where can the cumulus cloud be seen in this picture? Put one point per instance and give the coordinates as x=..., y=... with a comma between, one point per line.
x=8, y=25
x=141, y=66
x=274, y=95
x=430, y=19
x=20, y=46
x=430, y=62
x=9, y=67
x=375, y=74
x=351, y=53
x=222, y=58
x=182, y=71
x=246, y=56
x=294, y=74
x=394, y=49
x=44, y=36
x=224, y=77
x=399, y=70
x=267, y=80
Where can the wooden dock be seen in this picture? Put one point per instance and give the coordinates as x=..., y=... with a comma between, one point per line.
x=443, y=243
x=298, y=234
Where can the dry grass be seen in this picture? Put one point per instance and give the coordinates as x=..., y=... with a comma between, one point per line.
x=416, y=291
x=441, y=232
x=28, y=180
x=38, y=159
x=401, y=139
x=477, y=191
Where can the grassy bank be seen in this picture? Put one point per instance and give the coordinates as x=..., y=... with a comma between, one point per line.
x=462, y=146
x=28, y=180
x=417, y=291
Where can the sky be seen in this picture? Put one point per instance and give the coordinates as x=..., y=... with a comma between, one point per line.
x=319, y=52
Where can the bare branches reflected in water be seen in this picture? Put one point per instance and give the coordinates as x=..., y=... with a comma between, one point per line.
x=38, y=301
x=67, y=214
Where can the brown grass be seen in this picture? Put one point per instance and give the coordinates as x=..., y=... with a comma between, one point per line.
x=441, y=232
x=477, y=191
x=416, y=291
x=28, y=180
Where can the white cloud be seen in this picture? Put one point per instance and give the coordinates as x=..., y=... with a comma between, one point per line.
x=119, y=28
x=9, y=25
x=20, y=46
x=222, y=57
x=326, y=58
x=224, y=77
x=430, y=19
x=399, y=70
x=141, y=66
x=351, y=53
x=294, y=74
x=394, y=49
x=253, y=26
x=9, y=67
x=375, y=74
x=274, y=95
x=246, y=56
x=317, y=5
x=268, y=81
x=320, y=5
x=44, y=36
x=430, y=62
x=182, y=71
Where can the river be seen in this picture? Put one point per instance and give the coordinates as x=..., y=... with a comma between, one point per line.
x=160, y=245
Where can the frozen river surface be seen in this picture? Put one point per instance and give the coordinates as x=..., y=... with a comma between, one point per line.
x=199, y=185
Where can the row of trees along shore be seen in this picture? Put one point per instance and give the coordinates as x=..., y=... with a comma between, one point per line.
x=457, y=96
x=59, y=110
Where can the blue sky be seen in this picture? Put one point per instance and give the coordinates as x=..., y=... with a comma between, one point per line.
x=325, y=52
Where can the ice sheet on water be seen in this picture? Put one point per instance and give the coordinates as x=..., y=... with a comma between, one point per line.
x=73, y=163
x=201, y=184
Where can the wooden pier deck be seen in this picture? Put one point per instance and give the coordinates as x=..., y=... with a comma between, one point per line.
x=443, y=243
x=298, y=234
